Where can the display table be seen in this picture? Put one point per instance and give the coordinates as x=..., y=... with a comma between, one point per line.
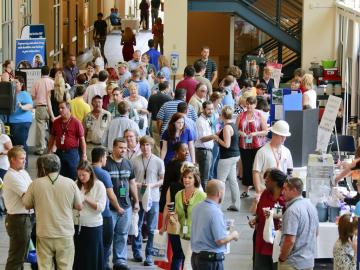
x=132, y=23
x=328, y=234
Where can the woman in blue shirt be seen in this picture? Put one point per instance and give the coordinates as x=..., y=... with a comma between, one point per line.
x=164, y=66
x=175, y=133
x=20, y=120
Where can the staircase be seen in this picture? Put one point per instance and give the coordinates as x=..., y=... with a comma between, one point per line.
x=279, y=19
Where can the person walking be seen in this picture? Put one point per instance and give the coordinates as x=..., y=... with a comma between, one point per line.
x=100, y=32
x=228, y=141
x=252, y=130
x=128, y=41
x=144, y=14
x=149, y=173
x=299, y=229
x=208, y=248
x=155, y=5
x=158, y=34
x=89, y=250
x=123, y=178
x=67, y=135
x=205, y=142
x=53, y=197
x=18, y=221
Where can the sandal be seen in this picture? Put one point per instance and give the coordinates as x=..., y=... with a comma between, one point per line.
x=244, y=195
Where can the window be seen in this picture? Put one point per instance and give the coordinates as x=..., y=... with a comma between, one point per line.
x=7, y=29
x=57, y=41
x=26, y=11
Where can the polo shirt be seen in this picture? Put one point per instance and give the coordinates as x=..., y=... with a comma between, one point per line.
x=96, y=127
x=105, y=178
x=188, y=83
x=121, y=173
x=15, y=184
x=204, y=128
x=266, y=200
x=154, y=56
x=54, y=203
x=210, y=68
x=133, y=153
x=154, y=168
x=20, y=116
x=301, y=220
x=41, y=90
x=169, y=109
x=155, y=103
x=79, y=108
x=208, y=226
x=73, y=131
x=116, y=129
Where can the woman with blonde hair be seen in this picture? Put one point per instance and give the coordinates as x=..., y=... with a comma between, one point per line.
x=98, y=59
x=58, y=94
x=128, y=41
x=164, y=66
x=309, y=95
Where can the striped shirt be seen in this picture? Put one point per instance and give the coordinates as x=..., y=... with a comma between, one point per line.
x=169, y=109
x=210, y=68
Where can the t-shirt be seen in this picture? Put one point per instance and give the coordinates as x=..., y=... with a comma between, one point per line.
x=140, y=103
x=210, y=68
x=53, y=203
x=154, y=169
x=121, y=173
x=73, y=131
x=20, y=116
x=265, y=159
x=154, y=56
x=301, y=220
x=311, y=94
x=100, y=27
x=4, y=161
x=104, y=177
x=144, y=89
x=79, y=108
x=155, y=103
x=15, y=185
x=185, y=137
x=188, y=83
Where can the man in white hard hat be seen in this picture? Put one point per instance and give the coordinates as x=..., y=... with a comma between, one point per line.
x=272, y=155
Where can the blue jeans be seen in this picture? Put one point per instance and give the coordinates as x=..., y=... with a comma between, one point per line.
x=121, y=229
x=108, y=234
x=215, y=161
x=69, y=161
x=19, y=135
x=151, y=223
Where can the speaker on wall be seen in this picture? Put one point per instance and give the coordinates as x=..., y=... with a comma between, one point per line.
x=7, y=98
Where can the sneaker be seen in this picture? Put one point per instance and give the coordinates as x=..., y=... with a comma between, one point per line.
x=148, y=263
x=244, y=195
x=138, y=258
x=233, y=208
x=121, y=267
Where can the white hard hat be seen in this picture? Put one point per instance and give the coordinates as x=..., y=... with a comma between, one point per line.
x=281, y=128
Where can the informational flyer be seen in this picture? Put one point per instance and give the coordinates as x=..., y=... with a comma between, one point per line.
x=30, y=53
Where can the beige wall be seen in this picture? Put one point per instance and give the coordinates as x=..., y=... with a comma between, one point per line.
x=318, y=31
x=213, y=30
x=175, y=30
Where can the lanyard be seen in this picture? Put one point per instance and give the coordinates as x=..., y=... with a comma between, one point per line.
x=66, y=126
x=277, y=156
x=145, y=168
x=53, y=180
x=119, y=167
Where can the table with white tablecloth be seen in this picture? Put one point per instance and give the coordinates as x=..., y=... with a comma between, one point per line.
x=328, y=234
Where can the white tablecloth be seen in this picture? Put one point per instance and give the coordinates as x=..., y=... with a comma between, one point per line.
x=328, y=234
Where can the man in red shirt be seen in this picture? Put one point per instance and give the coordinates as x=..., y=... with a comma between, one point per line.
x=189, y=83
x=67, y=134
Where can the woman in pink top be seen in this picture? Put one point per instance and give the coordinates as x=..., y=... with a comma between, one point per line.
x=252, y=130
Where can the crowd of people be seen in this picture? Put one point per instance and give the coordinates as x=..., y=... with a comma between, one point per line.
x=107, y=136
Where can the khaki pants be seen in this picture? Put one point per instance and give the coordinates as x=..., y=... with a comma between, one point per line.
x=156, y=136
x=42, y=119
x=286, y=266
x=186, y=247
x=62, y=249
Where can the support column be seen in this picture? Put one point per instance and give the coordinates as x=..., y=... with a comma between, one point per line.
x=175, y=30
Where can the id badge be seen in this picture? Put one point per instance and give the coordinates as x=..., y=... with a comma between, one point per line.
x=122, y=192
x=62, y=141
x=248, y=139
x=185, y=229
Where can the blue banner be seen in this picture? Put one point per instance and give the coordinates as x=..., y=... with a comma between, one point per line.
x=33, y=31
x=30, y=53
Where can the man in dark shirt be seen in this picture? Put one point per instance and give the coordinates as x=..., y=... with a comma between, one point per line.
x=123, y=180
x=100, y=31
x=211, y=70
x=155, y=4
x=154, y=105
x=71, y=70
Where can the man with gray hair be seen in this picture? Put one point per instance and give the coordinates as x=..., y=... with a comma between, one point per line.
x=136, y=61
x=299, y=229
x=209, y=234
x=53, y=197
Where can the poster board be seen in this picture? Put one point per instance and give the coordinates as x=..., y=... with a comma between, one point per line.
x=30, y=53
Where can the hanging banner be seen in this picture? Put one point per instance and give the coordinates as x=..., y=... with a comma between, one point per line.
x=33, y=31
x=30, y=53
